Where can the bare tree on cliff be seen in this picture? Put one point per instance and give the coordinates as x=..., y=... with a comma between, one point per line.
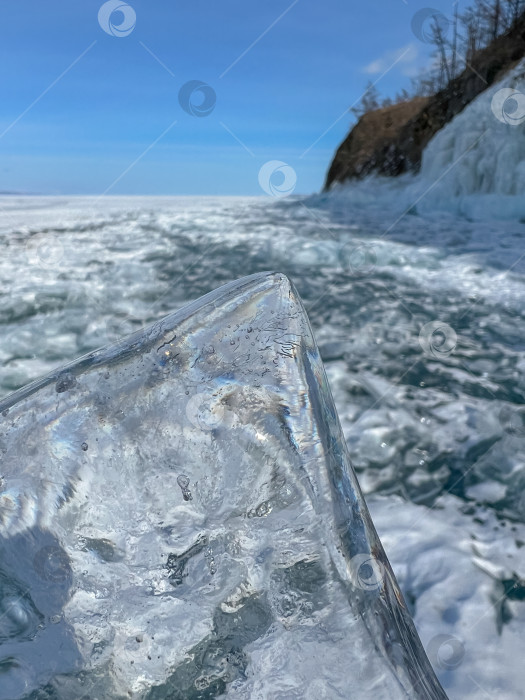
x=425, y=85
x=491, y=14
x=473, y=30
x=486, y=20
x=472, y=40
x=368, y=102
x=402, y=96
x=440, y=42
x=513, y=9
x=454, y=46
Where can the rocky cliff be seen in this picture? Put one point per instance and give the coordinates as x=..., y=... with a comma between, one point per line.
x=390, y=141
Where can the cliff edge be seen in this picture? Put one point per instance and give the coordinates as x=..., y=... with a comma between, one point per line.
x=390, y=141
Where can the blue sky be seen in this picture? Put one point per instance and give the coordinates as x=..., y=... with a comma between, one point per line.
x=86, y=112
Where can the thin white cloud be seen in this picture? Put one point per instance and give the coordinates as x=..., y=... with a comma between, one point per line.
x=408, y=61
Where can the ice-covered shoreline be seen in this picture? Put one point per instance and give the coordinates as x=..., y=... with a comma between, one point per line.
x=473, y=167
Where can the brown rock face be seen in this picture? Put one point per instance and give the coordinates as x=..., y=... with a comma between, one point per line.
x=390, y=141
x=370, y=146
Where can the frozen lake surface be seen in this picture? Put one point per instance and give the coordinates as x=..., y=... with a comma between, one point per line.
x=420, y=320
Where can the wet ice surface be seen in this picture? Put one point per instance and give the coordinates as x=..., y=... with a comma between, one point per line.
x=179, y=512
x=420, y=421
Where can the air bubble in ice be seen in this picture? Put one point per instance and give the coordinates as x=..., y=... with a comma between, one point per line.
x=183, y=481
